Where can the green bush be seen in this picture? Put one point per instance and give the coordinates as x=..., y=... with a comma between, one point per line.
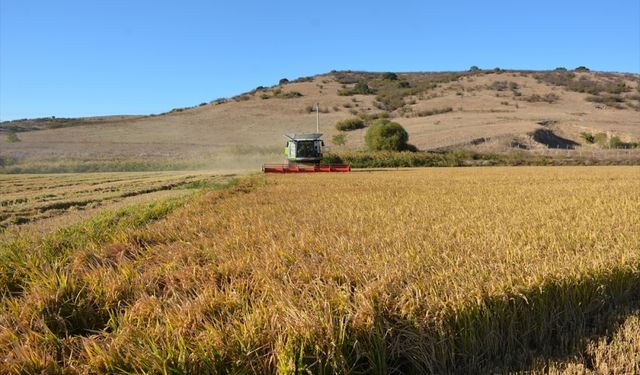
x=399, y=159
x=350, y=124
x=615, y=142
x=278, y=93
x=385, y=135
x=368, y=118
x=360, y=88
x=582, y=69
x=390, y=76
x=283, y=81
x=290, y=94
x=588, y=137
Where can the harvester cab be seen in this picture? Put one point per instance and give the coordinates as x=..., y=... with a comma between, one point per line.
x=304, y=148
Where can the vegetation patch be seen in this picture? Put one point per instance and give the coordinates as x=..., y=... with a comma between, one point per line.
x=459, y=158
x=350, y=124
x=546, y=98
x=432, y=112
x=11, y=137
x=583, y=84
x=29, y=197
x=385, y=135
x=279, y=93
x=611, y=100
x=359, y=88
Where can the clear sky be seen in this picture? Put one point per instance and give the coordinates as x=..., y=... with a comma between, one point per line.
x=75, y=58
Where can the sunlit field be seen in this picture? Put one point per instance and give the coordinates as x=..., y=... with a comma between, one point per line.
x=395, y=271
x=30, y=197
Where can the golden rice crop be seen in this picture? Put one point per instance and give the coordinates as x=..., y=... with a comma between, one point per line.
x=431, y=270
x=25, y=198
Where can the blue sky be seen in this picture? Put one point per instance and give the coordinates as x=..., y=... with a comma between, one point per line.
x=76, y=58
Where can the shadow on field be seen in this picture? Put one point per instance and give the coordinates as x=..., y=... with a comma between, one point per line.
x=507, y=333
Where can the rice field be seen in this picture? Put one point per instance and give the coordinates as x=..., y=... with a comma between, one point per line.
x=450, y=270
x=25, y=198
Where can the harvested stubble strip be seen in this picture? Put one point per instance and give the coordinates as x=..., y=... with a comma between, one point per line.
x=414, y=270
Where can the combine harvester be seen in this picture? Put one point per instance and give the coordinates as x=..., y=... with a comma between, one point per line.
x=304, y=155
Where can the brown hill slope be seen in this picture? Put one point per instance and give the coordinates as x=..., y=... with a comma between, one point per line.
x=492, y=111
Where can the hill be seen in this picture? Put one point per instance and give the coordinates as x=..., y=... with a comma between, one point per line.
x=485, y=111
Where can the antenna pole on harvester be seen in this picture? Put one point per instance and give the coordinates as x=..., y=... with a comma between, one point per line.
x=317, y=117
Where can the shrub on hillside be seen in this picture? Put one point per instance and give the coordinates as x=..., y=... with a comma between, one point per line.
x=360, y=88
x=283, y=81
x=12, y=137
x=588, y=137
x=304, y=79
x=390, y=76
x=584, y=84
x=609, y=100
x=616, y=142
x=582, y=69
x=504, y=85
x=434, y=111
x=547, y=98
x=290, y=94
x=385, y=135
x=278, y=93
x=350, y=124
x=368, y=118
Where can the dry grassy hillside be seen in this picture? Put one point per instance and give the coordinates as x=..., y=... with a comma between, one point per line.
x=487, y=111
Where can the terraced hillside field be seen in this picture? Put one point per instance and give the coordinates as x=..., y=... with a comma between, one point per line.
x=25, y=198
x=469, y=270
